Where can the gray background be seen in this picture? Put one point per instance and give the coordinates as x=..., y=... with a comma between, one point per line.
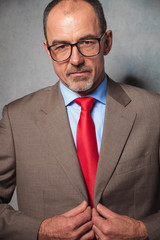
x=25, y=67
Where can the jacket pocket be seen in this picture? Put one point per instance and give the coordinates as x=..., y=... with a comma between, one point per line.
x=134, y=164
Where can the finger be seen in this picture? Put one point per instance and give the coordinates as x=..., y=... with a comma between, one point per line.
x=97, y=220
x=85, y=231
x=77, y=210
x=89, y=235
x=105, y=212
x=82, y=218
x=94, y=213
x=98, y=233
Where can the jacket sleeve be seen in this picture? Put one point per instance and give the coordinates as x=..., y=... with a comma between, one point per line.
x=13, y=224
x=152, y=222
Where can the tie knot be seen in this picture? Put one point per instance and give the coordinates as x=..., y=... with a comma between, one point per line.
x=86, y=103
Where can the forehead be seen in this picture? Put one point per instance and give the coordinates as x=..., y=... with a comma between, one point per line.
x=70, y=20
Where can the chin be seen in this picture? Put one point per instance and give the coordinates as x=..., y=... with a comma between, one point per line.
x=82, y=86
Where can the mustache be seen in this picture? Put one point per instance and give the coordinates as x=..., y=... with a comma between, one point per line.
x=78, y=69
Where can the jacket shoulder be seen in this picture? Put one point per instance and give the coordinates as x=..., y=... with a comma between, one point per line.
x=33, y=101
x=140, y=93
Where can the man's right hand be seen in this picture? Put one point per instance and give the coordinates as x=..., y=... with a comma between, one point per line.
x=74, y=224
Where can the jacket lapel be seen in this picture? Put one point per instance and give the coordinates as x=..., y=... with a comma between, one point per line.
x=117, y=127
x=54, y=125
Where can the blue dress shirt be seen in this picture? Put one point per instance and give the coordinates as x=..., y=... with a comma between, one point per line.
x=97, y=113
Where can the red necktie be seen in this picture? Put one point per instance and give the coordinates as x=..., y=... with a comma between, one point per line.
x=87, y=150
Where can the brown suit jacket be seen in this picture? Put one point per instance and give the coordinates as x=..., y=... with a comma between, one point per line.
x=37, y=154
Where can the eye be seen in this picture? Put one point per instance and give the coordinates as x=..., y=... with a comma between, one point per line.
x=89, y=42
x=60, y=47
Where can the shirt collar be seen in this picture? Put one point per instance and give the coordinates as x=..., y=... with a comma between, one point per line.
x=99, y=94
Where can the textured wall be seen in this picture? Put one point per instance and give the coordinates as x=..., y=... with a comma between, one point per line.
x=25, y=67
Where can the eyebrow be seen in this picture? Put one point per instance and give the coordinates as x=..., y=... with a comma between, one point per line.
x=88, y=36
x=58, y=41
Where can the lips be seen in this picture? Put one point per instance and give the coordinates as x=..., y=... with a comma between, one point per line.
x=78, y=73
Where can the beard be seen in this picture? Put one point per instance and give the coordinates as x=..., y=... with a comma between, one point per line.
x=80, y=83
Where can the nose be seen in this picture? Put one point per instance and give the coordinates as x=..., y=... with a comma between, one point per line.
x=76, y=57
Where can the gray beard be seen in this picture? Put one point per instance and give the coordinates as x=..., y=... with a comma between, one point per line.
x=86, y=86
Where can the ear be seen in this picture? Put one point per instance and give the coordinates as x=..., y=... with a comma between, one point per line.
x=108, y=42
x=46, y=48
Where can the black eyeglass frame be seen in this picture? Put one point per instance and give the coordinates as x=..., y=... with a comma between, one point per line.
x=76, y=44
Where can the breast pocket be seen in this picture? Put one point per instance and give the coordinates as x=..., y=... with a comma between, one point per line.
x=132, y=165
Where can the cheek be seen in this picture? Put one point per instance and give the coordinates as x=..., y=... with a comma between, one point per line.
x=99, y=65
x=59, y=68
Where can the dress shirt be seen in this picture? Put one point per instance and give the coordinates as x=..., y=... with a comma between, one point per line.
x=97, y=113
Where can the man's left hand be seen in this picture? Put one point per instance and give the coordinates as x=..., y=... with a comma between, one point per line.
x=108, y=225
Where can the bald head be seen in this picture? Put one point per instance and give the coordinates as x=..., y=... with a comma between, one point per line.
x=70, y=6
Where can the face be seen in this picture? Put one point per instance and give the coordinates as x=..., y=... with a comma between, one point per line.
x=70, y=22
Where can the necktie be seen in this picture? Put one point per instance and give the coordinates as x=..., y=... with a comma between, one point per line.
x=87, y=150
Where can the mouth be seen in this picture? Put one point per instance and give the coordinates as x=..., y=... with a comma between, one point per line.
x=79, y=73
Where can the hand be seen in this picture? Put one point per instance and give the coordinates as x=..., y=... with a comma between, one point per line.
x=75, y=224
x=111, y=226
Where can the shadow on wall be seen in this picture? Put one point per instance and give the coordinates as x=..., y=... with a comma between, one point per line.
x=134, y=81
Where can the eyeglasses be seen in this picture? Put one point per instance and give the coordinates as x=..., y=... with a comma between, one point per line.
x=62, y=51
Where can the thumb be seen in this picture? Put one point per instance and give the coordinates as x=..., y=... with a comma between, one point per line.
x=77, y=210
x=94, y=213
x=105, y=212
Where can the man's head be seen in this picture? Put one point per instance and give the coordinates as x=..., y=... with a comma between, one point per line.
x=80, y=66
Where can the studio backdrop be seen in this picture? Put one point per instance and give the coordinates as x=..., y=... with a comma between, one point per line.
x=25, y=66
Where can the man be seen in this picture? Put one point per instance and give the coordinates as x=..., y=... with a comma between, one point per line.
x=40, y=148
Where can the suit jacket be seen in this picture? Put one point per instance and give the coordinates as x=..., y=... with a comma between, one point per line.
x=38, y=156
